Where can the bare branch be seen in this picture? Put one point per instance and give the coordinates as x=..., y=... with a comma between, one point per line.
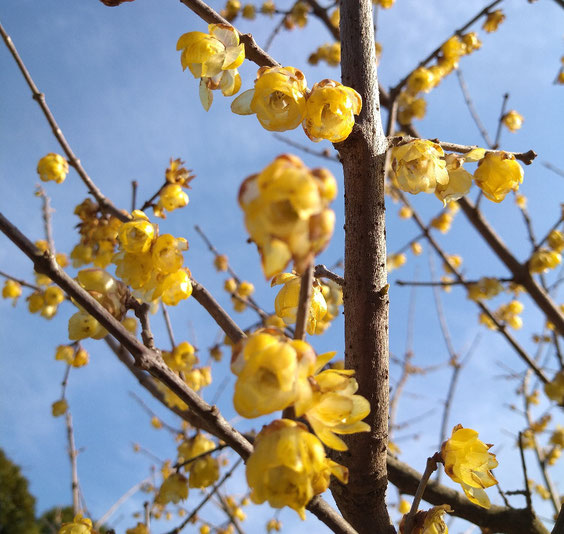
x=73, y=453
x=322, y=272
x=104, y=203
x=500, y=121
x=306, y=289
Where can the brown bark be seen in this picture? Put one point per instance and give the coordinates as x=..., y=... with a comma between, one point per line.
x=362, y=501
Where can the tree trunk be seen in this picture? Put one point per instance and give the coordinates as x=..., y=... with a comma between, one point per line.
x=362, y=501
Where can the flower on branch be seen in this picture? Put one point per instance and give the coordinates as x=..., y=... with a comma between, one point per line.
x=288, y=466
x=467, y=461
x=213, y=57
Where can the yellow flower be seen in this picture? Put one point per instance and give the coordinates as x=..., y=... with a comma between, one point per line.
x=214, y=58
x=459, y=180
x=156, y=422
x=497, y=174
x=288, y=466
x=555, y=388
x=79, y=525
x=172, y=197
x=167, y=253
x=59, y=407
x=453, y=49
x=175, y=287
x=268, y=8
x=278, y=98
x=421, y=79
x=81, y=358
x=485, y=288
x=330, y=111
x=386, y=4
x=83, y=325
x=65, y=353
x=286, y=302
x=273, y=525
x=174, y=489
x=140, y=528
x=543, y=260
x=11, y=290
x=220, y=262
x=429, y=522
x=404, y=506
x=468, y=462
x=493, y=20
x=416, y=248
x=513, y=120
x=245, y=289
x=137, y=236
x=419, y=166
x=395, y=261
x=272, y=373
x=334, y=408
x=557, y=437
x=52, y=167
x=556, y=240
x=471, y=42
x=249, y=11
x=205, y=470
x=182, y=357
x=287, y=214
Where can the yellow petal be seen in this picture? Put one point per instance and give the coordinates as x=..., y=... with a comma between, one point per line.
x=242, y=104
x=234, y=57
x=206, y=96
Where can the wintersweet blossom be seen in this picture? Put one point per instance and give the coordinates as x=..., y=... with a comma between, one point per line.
x=79, y=525
x=288, y=466
x=213, y=57
x=286, y=301
x=287, y=214
x=467, y=461
x=272, y=373
x=419, y=166
x=330, y=111
x=513, y=120
x=497, y=174
x=52, y=167
x=278, y=98
x=428, y=522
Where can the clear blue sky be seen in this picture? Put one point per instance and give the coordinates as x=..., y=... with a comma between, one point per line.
x=112, y=78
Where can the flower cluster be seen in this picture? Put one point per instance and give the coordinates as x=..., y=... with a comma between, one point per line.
x=204, y=470
x=79, y=525
x=544, y=260
x=286, y=301
x=214, y=58
x=422, y=166
x=423, y=79
x=172, y=196
x=330, y=53
x=485, y=288
x=73, y=355
x=109, y=292
x=52, y=167
x=288, y=466
x=286, y=212
x=281, y=101
x=239, y=291
x=151, y=264
x=468, y=462
x=12, y=290
x=45, y=301
x=98, y=236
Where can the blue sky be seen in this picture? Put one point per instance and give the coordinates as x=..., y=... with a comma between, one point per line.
x=113, y=80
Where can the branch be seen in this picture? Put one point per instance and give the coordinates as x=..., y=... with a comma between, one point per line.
x=500, y=121
x=20, y=281
x=471, y=108
x=253, y=51
x=520, y=272
x=73, y=453
x=496, y=518
x=148, y=360
x=526, y=157
x=104, y=203
x=322, y=272
x=46, y=210
x=437, y=50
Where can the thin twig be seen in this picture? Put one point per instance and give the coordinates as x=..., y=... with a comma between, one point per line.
x=73, y=453
x=553, y=168
x=306, y=289
x=472, y=109
x=232, y=518
x=168, y=325
x=274, y=33
x=500, y=121
x=134, y=185
x=325, y=154
x=104, y=203
x=525, y=476
x=429, y=468
x=322, y=272
x=20, y=281
x=46, y=211
x=129, y=493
